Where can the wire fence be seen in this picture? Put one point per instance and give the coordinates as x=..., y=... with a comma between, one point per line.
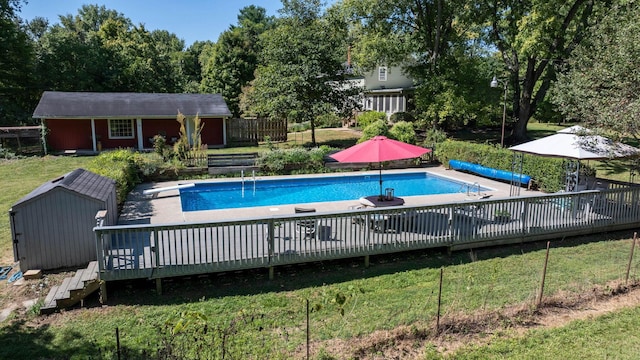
x=335, y=320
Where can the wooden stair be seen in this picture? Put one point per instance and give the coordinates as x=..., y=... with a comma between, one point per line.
x=72, y=290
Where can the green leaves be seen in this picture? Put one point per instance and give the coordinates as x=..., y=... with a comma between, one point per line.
x=301, y=71
x=602, y=85
x=229, y=65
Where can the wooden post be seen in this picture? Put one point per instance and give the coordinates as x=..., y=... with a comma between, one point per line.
x=366, y=261
x=544, y=275
x=103, y=292
x=308, y=329
x=159, y=286
x=439, y=302
x=271, y=245
x=633, y=244
x=118, y=343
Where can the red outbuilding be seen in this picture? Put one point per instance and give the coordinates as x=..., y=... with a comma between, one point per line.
x=77, y=121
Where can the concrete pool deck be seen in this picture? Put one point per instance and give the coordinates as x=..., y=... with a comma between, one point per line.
x=165, y=207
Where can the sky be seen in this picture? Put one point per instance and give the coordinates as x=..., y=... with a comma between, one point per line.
x=190, y=20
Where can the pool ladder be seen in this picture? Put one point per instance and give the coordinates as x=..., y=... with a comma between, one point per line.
x=469, y=187
x=253, y=176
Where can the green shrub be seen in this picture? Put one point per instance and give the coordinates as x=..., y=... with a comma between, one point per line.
x=401, y=116
x=379, y=127
x=298, y=127
x=403, y=131
x=369, y=117
x=548, y=173
x=432, y=137
x=283, y=161
x=161, y=148
x=328, y=120
x=121, y=166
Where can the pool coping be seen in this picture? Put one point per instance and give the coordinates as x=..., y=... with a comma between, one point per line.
x=165, y=207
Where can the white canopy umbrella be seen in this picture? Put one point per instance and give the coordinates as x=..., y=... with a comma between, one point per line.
x=568, y=143
x=577, y=143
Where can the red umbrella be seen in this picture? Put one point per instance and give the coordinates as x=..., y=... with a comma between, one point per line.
x=379, y=149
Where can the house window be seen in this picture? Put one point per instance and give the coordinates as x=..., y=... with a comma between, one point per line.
x=382, y=73
x=121, y=128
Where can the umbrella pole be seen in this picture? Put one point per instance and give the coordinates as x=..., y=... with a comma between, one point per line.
x=380, y=170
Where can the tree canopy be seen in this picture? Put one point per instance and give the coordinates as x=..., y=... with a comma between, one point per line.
x=16, y=82
x=301, y=73
x=602, y=85
x=229, y=65
x=293, y=65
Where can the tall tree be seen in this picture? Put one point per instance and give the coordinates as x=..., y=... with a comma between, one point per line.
x=436, y=43
x=602, y=85
x=534, y=38
x=192, y=66
x=101, y=50
x=16, y=57
x=230, y=64
x=389, y=32
x=301, y=71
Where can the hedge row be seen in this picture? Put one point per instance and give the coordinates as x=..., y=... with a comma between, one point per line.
x=284, y=161
x=121, y=166
x=547, y=173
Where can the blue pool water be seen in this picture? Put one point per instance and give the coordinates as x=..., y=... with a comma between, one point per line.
x=228, y=195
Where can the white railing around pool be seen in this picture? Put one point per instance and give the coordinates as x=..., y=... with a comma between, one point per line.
x=157, y=251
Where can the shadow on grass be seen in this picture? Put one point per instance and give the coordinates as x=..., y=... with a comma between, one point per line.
x=315, y=274
x=21, y=341
x=613, y=167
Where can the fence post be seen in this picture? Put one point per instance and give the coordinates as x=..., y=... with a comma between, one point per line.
x=439, y=302
x=633, y=244
x=118, y=342
x=307, y=328
x=544, y=275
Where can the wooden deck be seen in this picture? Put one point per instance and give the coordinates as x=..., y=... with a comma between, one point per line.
x=166, y=250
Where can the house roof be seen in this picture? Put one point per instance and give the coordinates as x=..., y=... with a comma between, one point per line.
x=80, y=181
x=57, y=104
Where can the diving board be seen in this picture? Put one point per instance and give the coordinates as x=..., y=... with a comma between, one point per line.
x=167, y=188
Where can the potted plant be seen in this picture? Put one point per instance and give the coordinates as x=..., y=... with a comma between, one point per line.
x=502, y=216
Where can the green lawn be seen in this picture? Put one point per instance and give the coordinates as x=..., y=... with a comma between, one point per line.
x=612, y=336
x=258, y=318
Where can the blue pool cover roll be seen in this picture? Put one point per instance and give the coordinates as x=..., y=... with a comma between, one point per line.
x=489, y=172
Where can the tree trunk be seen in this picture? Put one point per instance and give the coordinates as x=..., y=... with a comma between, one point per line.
x=313, y=132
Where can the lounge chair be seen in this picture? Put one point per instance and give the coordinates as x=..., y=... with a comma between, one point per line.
x=306, y=228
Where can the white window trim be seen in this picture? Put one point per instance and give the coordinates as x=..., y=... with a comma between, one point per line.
x=133, y=132
x=382, y=70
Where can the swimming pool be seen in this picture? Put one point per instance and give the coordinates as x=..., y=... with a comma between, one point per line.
x=267, y=192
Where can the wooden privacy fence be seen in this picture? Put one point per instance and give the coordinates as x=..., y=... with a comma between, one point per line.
x=252, y=131
x=157, y=251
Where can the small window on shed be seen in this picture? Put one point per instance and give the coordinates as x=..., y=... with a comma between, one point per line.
x=382, y=73
x=121, y=128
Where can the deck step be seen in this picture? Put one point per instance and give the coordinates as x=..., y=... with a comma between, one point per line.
x=49, y=304
x=72, y=290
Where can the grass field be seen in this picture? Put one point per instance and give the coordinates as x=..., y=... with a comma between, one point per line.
x=355, y=312
x=266, y=319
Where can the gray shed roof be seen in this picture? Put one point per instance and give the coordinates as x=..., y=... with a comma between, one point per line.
x=57, y=104
x=79, y=181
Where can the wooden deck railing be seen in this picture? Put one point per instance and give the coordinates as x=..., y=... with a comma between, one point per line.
x=158, y=251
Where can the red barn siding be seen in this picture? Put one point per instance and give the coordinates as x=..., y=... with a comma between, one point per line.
x=68, y=134
x=75, y=134
x=167, y=127
x=212, y=132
